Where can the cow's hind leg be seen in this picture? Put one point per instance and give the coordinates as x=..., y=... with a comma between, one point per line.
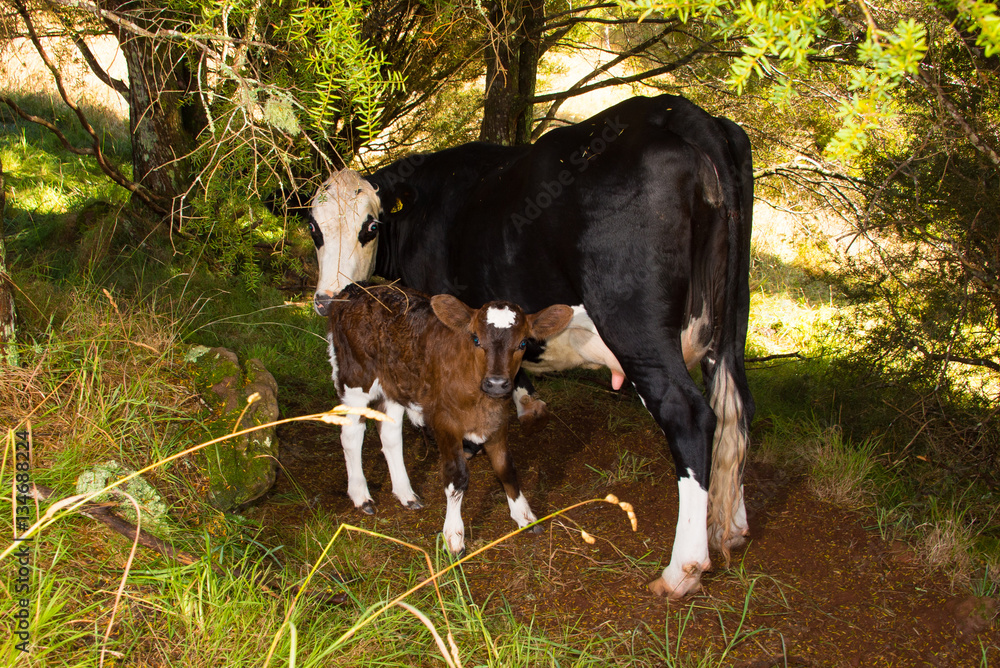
x=391, y=434
x=688, y=423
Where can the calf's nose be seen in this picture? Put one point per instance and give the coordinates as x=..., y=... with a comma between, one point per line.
x=321, y=302
x=496, y=386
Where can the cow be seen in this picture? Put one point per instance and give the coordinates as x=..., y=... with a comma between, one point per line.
x=640, y=219
x=445, y=366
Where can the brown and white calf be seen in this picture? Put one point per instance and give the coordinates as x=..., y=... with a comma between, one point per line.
x=445, y=366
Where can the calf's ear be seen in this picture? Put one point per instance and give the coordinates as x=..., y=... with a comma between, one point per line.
x=452, y=312
x=550, y=321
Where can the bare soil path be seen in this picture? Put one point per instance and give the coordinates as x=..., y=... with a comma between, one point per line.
x=818, y=584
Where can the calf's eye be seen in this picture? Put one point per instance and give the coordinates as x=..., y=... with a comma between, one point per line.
x=524, y=344
x=475, y=340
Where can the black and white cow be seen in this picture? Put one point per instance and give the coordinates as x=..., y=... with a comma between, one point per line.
x=639, y=216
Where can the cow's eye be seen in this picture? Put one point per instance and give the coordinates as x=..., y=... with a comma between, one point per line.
x=524, y=344
x=475, y=340
x=369, y=230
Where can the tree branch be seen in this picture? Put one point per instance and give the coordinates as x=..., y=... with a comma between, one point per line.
x=91, y=60
x=153, y=202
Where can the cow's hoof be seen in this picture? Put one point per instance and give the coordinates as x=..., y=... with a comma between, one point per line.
x=676, y=586
x=368, y=507
x=471, y=449
x=533, y=415
x=415, y=504
x=537, y=529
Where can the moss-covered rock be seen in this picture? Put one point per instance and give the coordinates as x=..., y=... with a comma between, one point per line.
x=242, y=468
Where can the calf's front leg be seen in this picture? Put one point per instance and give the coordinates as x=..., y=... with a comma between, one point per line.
x=503, y=466
x=455, y=476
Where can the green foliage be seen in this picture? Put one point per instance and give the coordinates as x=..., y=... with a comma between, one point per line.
x=781, y=40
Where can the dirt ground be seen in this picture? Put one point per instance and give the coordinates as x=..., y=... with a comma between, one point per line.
x=823, y=588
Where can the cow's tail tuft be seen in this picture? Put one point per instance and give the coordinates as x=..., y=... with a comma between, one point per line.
x=726, y=512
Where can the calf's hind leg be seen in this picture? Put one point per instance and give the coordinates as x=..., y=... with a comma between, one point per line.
x=391, y=434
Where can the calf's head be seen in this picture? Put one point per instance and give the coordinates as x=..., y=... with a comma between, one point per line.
x=344, y=226
x=497, y=334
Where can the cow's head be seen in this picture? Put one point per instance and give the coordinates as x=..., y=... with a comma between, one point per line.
x=344, y=227
x=499, y=333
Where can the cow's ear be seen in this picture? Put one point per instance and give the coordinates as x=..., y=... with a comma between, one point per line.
x=452, y=312
x=548, y=322
x=399, y=199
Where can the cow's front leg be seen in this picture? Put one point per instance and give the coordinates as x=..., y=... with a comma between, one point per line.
x=503, y=466
x=455, y=476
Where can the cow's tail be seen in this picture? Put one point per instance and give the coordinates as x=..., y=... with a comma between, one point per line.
x=724, y=372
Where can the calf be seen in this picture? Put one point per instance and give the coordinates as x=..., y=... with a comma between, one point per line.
x=446, y=366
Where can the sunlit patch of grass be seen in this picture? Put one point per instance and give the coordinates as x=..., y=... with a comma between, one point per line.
x=628, y=467
x=840, y=472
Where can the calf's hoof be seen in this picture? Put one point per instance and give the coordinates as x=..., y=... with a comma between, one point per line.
x=533, y=415
x=415, y=504
x=368, y=507
x=537, y=529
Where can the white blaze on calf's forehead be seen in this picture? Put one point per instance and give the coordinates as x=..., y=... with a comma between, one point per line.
x=501, y=318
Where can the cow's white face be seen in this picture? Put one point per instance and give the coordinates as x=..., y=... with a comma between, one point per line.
x=345, y=212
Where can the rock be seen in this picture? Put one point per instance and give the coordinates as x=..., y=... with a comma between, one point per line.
x=239, y=469
x=151, y=505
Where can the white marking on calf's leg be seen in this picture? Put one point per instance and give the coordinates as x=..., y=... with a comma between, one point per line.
x=352, y=438
x=520, y=511
x=333, y=354
x=689, y=558
x=391, y=434
x=416, y=414
x=454, y=527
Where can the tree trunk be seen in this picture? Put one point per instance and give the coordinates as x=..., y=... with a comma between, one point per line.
x=164, y=116
x=8, y=332
x=511, y=70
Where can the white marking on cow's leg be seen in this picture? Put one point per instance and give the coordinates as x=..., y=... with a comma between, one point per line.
x=391, y=434
x=501, y=318
x=352, y=438
x=690, y=553
x=454, y=527
x=520, y=511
